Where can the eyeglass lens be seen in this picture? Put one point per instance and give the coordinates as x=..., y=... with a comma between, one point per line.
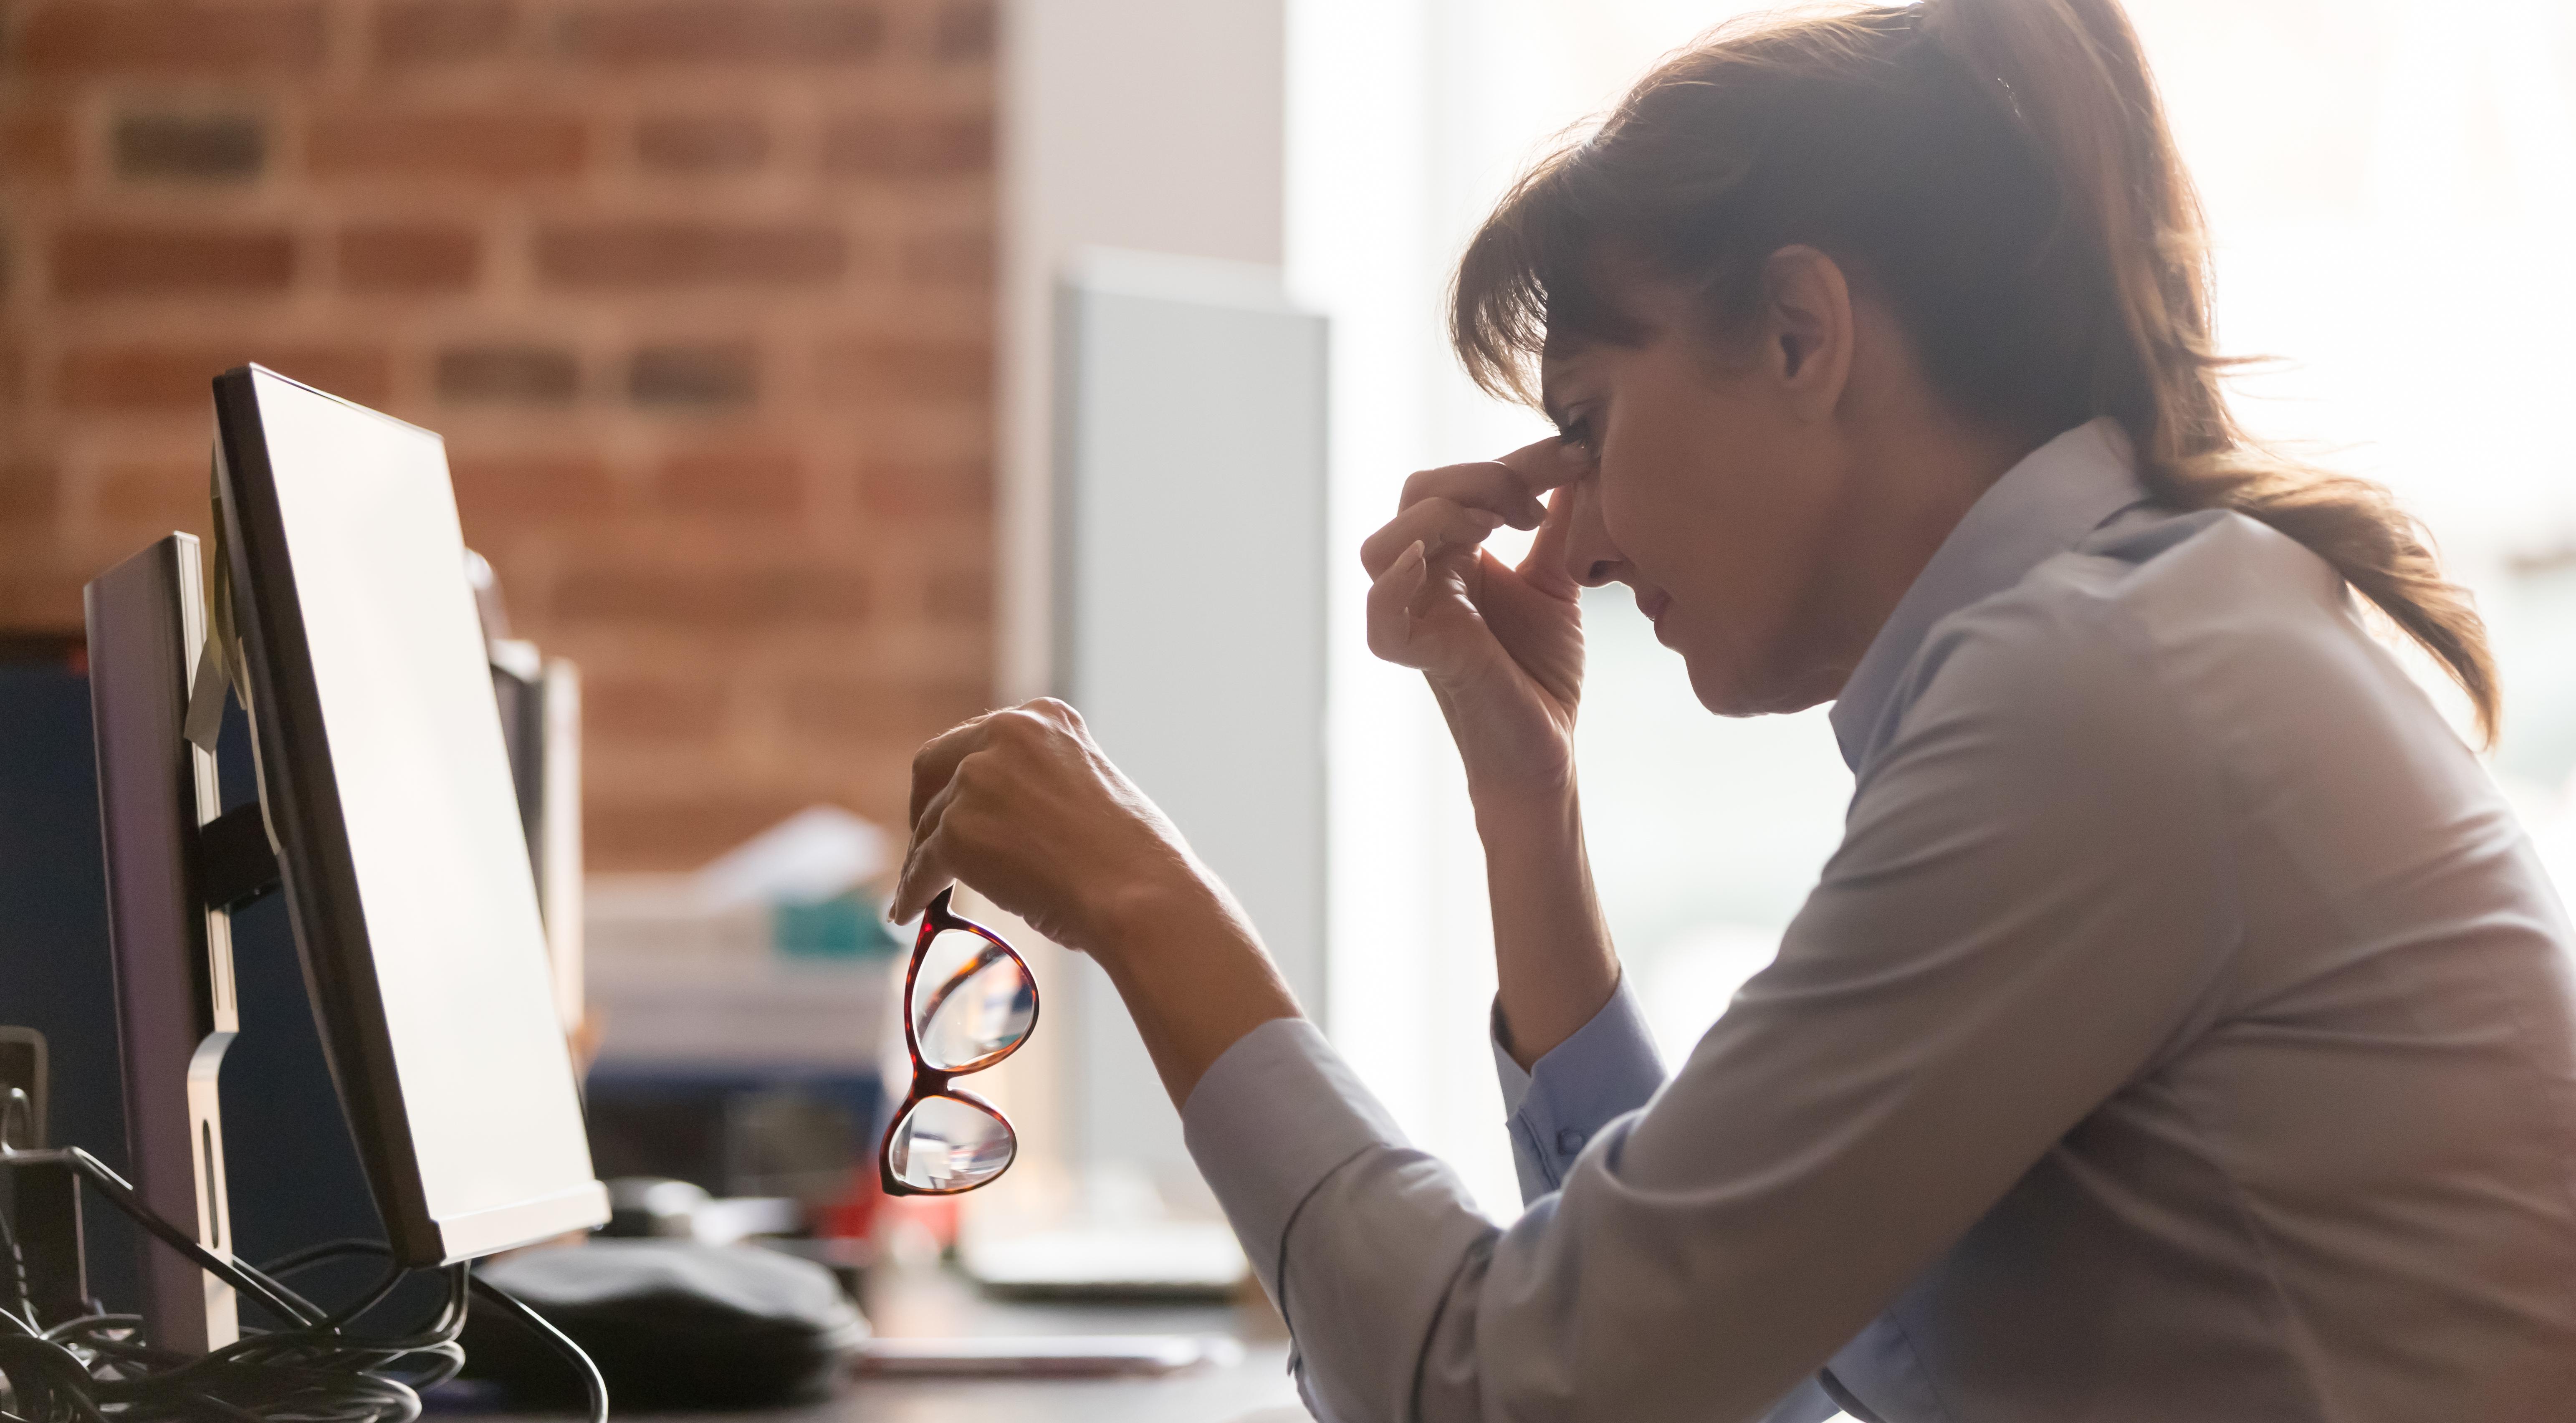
x=972, y=1002
x=943, y=1144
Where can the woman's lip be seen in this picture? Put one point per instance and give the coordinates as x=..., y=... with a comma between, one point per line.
x=1654, y=604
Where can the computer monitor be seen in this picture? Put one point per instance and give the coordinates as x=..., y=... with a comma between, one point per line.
x=388, y=797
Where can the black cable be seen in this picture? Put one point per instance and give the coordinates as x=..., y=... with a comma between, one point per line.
x=99, y=1369
x=21, y=1301
x=274, y=1297
x=311, y=1255
x=591, y=1382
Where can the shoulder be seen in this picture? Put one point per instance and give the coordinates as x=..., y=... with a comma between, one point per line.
x=2134, y=644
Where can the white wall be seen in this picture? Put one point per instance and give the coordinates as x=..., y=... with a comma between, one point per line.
x=1150, y=125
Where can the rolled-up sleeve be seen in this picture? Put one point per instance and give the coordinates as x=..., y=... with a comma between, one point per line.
x=1606, y=1070
x=2030, y=897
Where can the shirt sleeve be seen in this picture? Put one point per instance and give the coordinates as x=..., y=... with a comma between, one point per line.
x=1606, y=1069
x=2030, y=899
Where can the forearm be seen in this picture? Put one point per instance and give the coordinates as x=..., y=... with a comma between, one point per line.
x=1554, y=964
x=1194, y=977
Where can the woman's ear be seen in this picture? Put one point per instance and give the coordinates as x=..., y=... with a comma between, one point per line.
x=1808, y=330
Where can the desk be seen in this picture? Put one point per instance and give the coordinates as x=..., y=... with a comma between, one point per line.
x=930, y=1301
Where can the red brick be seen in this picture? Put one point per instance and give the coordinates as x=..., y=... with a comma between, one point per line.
x=170, y=37
x=509, y=374
x=694, y=377
x=410, y=32
x=627, y=832
x=909, y=146
x=661, y=254
x=167, y=496
x=190, y=147
x=491, y=485
x=841, y=709
x=487, y=146
x=116, y=261
x=901, y=489
x=900, y=368
x=29, y=489
x=958, y=595
x=39, y=601
x=408, y=259
x=650, y=708
x=964, y=258
x=751, y=482
x=763, y=595
x=35, y=147
x=138, y=378
x=702, y=143
x=963, y=32
x=625, y=32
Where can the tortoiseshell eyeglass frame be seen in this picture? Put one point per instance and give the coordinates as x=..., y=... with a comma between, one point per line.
x=929, y=1081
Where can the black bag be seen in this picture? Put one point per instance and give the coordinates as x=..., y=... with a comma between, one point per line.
x=671, y=1324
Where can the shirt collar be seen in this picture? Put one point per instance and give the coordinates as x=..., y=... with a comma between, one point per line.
x=2039, y=508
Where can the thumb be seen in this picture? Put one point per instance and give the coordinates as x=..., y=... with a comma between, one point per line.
x=1543, y=568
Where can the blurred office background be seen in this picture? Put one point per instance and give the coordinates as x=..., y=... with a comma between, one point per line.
x=743, y=320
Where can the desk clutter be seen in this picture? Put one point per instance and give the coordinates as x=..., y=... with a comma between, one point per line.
x=672, y=1324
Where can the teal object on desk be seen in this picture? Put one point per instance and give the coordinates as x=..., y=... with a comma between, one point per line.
x=842, y=927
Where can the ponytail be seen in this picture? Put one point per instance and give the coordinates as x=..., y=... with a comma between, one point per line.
x=2079, y=78
x=2001, y=173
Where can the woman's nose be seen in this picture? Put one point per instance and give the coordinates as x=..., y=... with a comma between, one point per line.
x=1590, y=558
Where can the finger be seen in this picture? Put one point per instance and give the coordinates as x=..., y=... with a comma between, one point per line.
x=1062, y=713
x=936, y=762
x=1419, y=617
x=1543, y=568
x=1437, y=523
x=1479, y=484
x=1390, y=607
x=1548, y=464
x=925, y=862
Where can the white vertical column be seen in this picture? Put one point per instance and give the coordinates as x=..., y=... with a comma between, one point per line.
x=1153, y=126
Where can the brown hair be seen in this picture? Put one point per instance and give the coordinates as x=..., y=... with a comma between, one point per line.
x=1999, y=173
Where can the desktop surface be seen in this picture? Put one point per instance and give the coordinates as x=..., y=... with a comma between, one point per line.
x=933, y=1301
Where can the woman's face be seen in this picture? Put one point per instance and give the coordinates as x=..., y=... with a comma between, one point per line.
x=1717, y=501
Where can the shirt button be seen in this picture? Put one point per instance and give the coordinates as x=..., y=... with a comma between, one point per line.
x=1570, y=1142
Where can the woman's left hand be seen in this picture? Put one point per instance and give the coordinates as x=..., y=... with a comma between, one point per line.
x=1021, y=804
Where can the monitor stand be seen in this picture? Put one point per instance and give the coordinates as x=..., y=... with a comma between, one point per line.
x=175, y=868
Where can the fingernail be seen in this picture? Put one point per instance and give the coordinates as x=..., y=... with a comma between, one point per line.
x=1573, y=452
x=1414, y=554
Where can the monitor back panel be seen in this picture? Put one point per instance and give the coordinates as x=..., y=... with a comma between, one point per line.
x=388, y=788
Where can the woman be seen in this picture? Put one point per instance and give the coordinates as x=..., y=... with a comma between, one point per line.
x=2181, y=1030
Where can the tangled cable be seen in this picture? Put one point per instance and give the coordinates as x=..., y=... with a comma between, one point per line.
x=99, y=1368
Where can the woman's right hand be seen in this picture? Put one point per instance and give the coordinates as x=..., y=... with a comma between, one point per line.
x=1502, y=647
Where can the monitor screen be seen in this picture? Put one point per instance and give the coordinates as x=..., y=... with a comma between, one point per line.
x=388, y=791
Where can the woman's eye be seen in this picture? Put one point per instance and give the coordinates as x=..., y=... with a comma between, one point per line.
x=1579, y=431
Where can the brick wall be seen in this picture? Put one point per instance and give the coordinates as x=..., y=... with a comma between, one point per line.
x=699, y=291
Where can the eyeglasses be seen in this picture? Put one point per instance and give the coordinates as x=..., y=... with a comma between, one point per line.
x=969, y=1001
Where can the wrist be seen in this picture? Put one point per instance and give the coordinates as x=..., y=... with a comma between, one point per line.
x=1190, y=970
x=1544, y=817
x=1127, y=916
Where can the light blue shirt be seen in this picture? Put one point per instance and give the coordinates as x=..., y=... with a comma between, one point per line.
x=2183, y=1031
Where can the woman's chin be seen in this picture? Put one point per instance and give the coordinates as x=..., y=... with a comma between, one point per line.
x=1729, y=689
